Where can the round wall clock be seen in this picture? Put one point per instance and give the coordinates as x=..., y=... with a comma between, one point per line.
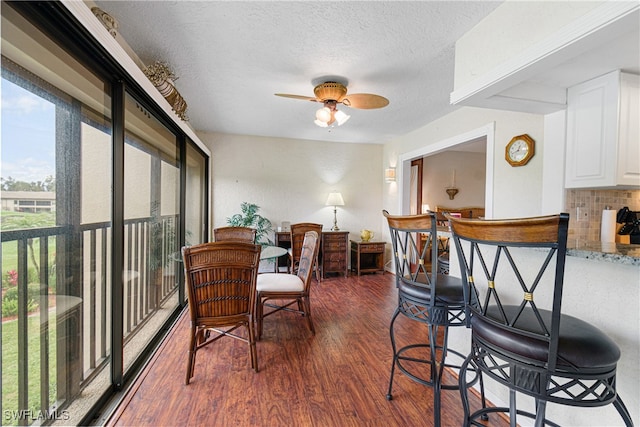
x=519, y=150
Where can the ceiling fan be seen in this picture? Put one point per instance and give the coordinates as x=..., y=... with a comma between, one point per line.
x=333, y=93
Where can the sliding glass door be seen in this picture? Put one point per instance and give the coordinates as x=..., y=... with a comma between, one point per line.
x=151, y=219
x=99, y=192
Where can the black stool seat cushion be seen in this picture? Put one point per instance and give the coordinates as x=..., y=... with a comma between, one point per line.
x=581, y=346
x=448, y=289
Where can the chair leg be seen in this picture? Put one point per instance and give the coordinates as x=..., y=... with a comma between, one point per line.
x=259, y=315
x=462, y=385
x=252, y=346
x=307, y=313
x=483, y=399
x=541, y=407
x=623, y=411
x=512, y=408
x=317, y=270
x=191, y=358
x=437, y=367
x=307, y=310
x=395, y=354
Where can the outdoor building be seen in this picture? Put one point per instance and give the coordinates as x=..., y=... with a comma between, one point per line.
x=28, y=201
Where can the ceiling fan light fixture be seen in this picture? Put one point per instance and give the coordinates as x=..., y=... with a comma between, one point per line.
x=324, y=114
x=341, y=117
x=330, y=94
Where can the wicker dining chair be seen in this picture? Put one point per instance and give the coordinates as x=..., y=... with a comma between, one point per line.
x=289, y=288
x=221, y=286
x=234, y=234
x=529, y=346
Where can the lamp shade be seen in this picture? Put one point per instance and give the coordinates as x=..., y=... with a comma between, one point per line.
x=341, y=117
x=335, y=199
x=323, y=114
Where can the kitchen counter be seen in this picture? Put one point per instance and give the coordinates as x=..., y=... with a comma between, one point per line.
x=617, y=253
x=610, y=252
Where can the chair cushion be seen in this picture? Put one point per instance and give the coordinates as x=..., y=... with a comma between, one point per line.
x=448, y=289
x=279, y=282
x=581, y=345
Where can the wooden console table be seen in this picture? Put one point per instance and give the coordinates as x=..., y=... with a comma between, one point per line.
x=333, y=250
x=367, y=257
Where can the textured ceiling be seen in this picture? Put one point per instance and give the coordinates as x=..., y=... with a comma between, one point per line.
x=232, y=56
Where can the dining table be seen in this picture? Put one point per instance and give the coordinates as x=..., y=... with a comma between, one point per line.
x=270, y=252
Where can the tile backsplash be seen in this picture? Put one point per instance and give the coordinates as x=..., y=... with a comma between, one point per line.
x=593, y=202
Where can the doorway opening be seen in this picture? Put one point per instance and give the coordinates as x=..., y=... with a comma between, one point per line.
x=478, y=140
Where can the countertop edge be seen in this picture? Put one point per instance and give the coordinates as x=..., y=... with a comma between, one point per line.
x=619, y=255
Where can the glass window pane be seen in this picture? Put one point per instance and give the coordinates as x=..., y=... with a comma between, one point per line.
x=195, y=221
x=56, y=227
x=151, y=218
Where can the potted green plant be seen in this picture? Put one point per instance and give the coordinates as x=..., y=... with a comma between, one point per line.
x=250, y=218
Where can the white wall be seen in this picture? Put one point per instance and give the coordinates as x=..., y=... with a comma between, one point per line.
x=516, y=191
x=553, y=192
x=469, y=175
x=290, y=180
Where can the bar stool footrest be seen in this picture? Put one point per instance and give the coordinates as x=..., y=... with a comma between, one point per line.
x=427, y=361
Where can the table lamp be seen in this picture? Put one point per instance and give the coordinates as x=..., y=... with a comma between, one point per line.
x=335, y=200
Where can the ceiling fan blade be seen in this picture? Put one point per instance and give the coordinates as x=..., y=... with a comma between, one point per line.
x=365, y=101
x=305, y=98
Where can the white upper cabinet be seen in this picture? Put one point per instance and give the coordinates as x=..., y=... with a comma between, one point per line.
x=603, y=137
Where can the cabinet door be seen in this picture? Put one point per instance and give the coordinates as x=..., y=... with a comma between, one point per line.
x=629, y=138
x=592, y=110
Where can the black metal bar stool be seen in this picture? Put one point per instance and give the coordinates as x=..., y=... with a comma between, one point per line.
x=530, y=346
x=424, y=295
x=443, y=263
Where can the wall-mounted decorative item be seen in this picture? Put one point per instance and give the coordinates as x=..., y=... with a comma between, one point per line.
x=162, y=78
x=107, y=20
x=390, y=174
x=519, y=150
x=452, y=190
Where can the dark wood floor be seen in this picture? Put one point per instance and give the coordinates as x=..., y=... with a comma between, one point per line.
x=339, y=377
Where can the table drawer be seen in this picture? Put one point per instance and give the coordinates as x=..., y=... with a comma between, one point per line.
x=334, y=256
x=375, y=248
x=335, y=246
x=333, y=265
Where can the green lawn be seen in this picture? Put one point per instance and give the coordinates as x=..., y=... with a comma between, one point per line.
x=20, y=220
x=10, y=365
x=23, y=220
x=13, y=221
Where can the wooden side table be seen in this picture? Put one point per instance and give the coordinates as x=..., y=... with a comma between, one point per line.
x=367, y=257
